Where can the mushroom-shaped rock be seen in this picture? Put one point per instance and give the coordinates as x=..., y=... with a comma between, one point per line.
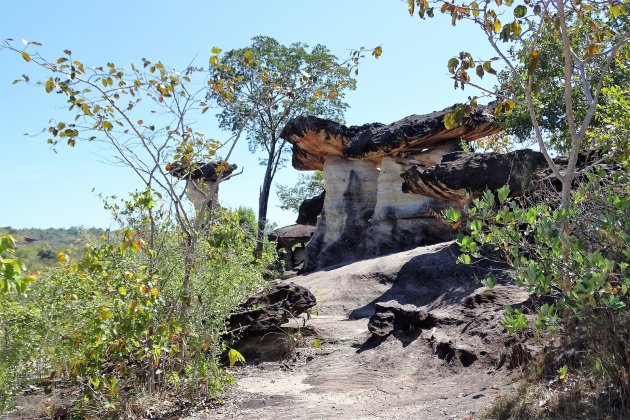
x=365, y=211
x=315, y=139
x=202, y=180
x=289, y=236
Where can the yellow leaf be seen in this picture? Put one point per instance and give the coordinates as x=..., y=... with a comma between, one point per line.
x=317, y=343
x=248, y=56
x=377, y=52
x=234, y=356
x=496, y=26
x=49, y=85
x=104, y=313
x=25, y=56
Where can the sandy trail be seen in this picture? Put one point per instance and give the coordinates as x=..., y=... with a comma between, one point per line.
x=408, y=375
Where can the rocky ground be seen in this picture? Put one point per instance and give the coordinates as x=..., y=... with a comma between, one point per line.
x=452, y=368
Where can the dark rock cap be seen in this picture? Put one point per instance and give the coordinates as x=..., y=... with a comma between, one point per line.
x=288, y=236
x=314, y=139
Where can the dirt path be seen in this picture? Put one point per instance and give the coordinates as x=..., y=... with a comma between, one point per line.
x=449, y=371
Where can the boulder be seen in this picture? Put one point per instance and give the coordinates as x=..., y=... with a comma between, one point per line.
x=268, y=310
x=391, y=316
x=310, y=209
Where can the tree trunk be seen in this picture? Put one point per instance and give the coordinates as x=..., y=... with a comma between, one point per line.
x=263, y=202
x=263, y=199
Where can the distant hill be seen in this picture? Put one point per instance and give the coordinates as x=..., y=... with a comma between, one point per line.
x=38, y=248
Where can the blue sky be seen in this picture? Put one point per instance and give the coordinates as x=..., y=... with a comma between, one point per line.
x=41, y=188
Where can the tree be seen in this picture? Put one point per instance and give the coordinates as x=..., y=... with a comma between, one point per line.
x=307, y=186
x=155, y=294
x=261, y=87
x=586, y=58
x=552, y=119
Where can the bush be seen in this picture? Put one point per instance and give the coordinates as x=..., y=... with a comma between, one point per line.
x=575, y=260
x=111, y=321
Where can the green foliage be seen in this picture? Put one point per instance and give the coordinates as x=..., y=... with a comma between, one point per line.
x=109, y=319
x=583, y=281
x=592, y=272
x=513, y=320
x=549, y=95
x=307, y=186
x=38, y=248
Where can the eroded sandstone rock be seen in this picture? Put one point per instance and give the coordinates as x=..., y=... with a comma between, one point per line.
x=201, y=180
x=310, y=209
x=461, y=172
x=340, y=234
x=365, y=211
x=268, y=310
x=403, y=221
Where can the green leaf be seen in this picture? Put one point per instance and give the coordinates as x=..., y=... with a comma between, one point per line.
x=475, y=8
x=317, y=343
x=503, y=193
x=452, y=65
x=520, y=11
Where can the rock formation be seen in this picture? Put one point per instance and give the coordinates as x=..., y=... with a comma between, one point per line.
x=365, y=212
x=260, y=323
x=310, y=209
x=461, y=177
x=287, y=238
x=201, y=180
x=459, y=173
x=268, y=310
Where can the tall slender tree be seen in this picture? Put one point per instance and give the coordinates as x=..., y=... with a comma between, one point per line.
x=261, y=87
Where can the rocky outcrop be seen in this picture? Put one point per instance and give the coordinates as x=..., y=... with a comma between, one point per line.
x=403, y=221
x=287, y=238
x=202, y=180
x=460, y=177
x=341, y=233
x=268, y=310
x=315, y=139
x=365, y=212
x=391, y=316
x=459, y=173
x=310, y=209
